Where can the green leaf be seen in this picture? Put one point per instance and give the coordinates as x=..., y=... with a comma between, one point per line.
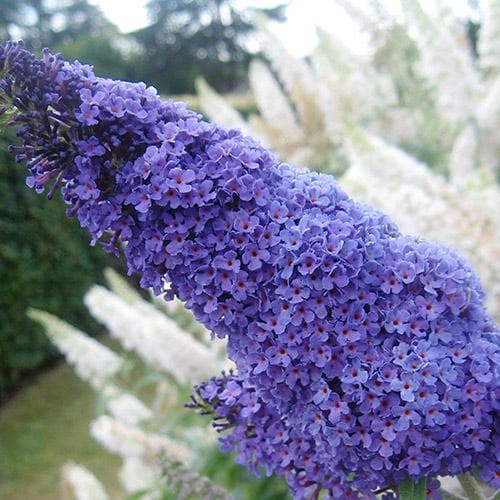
x=470, y=486
x=409, y=490
x=495, y=496
x=138, y=494
x=6, y=116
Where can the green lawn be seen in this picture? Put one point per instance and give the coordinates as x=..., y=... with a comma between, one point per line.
x=44, y=426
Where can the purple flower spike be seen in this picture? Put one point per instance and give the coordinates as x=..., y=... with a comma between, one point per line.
x=364, y=357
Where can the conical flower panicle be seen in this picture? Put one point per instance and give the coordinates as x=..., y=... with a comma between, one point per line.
x=371, y=352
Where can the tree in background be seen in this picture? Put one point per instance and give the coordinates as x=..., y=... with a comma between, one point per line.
x=188, y=38
x=74, y=27
x=45, y=24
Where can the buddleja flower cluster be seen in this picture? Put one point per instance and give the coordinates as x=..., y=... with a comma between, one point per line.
x=363, y=356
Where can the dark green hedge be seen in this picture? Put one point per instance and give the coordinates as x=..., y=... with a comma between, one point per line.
x=45, y=262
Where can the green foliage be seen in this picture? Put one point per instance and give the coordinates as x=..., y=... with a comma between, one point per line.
x=398, y=56
x=409, y=490
x=471, y=487
x=222, y=469
x=45, y=262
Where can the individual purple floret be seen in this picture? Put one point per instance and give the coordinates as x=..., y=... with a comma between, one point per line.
x=354, y=373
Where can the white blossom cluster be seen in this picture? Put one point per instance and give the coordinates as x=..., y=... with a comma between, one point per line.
x=91, y=360
x=79, y=483
x=423, y=203
x=138, y=474
x=156, y=338
x=125, y=407
x=131, y=441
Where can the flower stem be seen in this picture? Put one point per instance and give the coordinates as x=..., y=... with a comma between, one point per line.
x=447, y=495
x=315, y=495
x=471, y=487
x=409, y=490
x=6, y=116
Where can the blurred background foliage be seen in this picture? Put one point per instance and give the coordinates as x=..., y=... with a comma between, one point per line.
x=46, y=262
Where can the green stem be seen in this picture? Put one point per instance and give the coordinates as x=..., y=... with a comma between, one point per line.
x=316, y=493
x=447, y=495
x=471, y=487
x=6, y=116
x=495, y=496
x=409, y=490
